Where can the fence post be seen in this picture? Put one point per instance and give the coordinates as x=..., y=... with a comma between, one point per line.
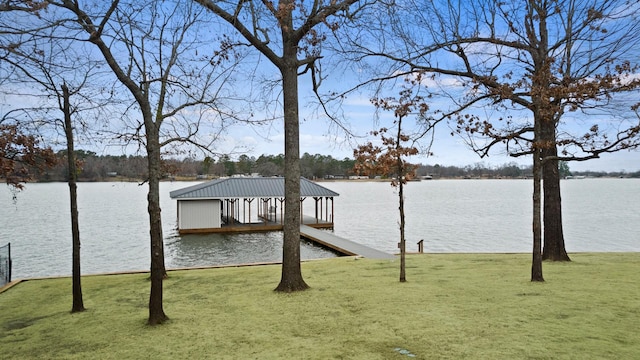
x=421, y=246
x=5, y=264
x=10, y=265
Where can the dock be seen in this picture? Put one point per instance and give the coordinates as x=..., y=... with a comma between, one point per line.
x=234, y=225
x=341, y=245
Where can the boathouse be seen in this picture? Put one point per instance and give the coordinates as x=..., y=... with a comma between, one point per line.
x=241, y=204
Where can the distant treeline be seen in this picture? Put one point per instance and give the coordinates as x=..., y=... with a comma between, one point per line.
x=109, y=167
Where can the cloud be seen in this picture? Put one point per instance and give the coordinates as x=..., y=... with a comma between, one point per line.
x=358, y=100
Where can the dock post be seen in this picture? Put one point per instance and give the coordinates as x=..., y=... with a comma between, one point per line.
x=421, y=246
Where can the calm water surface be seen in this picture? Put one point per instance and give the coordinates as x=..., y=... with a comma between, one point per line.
x=488, y=215
x=450, y=215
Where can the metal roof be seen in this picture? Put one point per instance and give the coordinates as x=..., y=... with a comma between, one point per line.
x=247, y=188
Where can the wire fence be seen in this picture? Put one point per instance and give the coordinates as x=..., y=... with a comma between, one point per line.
x=5, y=264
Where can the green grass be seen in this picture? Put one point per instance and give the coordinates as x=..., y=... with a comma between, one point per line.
x=473, y=306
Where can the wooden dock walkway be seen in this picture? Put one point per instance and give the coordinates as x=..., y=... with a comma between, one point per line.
x=342, y=245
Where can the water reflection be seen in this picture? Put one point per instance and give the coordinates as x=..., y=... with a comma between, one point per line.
x=224, y=249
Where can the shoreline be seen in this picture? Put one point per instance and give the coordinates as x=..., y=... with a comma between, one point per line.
x=197, y=179
x=271, y=263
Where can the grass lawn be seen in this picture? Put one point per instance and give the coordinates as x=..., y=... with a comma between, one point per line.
x=462, y=306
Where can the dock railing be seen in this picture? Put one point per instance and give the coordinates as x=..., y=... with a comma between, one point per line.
x=5, y=264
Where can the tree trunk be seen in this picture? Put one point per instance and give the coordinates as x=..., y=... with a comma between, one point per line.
x=401, y=174
x=403, y=277
x=156, y=312
x=554, y=248
x=536, y=265
x=78, y=304
x=291, y=279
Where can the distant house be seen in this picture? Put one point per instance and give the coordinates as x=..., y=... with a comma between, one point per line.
x=242, y=204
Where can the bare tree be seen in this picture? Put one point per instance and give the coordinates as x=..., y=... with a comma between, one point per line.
x=389, y=159
x=288, y=33
x=154, y=52
x=21, y=151
x=78, y=304
x=40, y=74
x=541, y=77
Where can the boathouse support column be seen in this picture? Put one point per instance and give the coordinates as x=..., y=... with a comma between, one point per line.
x=265, y=210
x=234, y=210
x=225, y=212
x=332, y=213
x=244, y=212
x=315, y=198
x=326, y=208
x=281, y=200
x=237, y=209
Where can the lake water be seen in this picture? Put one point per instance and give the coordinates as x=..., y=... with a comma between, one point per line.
x=450, y=215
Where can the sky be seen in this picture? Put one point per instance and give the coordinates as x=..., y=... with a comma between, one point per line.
x=319, y=136
x=447, y=150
